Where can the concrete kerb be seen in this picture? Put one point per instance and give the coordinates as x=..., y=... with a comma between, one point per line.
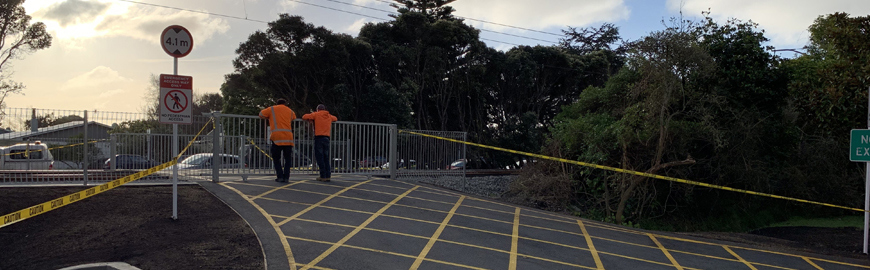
x=102, y=266
x=270, y=241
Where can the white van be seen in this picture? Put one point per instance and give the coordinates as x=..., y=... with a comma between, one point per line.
x=26, y=156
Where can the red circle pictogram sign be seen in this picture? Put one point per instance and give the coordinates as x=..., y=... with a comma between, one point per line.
x=175, y=101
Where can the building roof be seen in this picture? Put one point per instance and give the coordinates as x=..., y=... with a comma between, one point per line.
x=50, y=129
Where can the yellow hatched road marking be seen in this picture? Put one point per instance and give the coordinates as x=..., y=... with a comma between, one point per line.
x=385, y=252
x=594, y=225
x=763, y=251
x=495, y=233
x=811, y=263
x=598, y=264
x=357, y=230
x=642, y=260
x=319, y=203
x=277, y=188
x=513, y=260
x=435, y=236
x=665, y=251
x=739, y=258
x=502, y=234
x=287, y=252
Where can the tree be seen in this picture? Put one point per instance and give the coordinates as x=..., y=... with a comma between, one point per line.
x=433, y=9
x=18, y=37
x=207, y=102
x=50, y=119
x=646, y=118
x=431, y=59
x=831, y=81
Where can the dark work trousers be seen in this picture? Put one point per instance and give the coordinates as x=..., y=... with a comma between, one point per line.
x=321, y=154
x=282, y=169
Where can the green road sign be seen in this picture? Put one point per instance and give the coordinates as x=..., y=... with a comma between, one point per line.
x=859, y=147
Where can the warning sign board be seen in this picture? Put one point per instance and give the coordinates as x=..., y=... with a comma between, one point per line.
x=175, y=97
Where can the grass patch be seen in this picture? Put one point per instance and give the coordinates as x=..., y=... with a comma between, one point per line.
x=833, y=222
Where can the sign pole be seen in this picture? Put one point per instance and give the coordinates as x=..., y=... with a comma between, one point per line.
x=867, y=185
x=177, y=42
x=175, y=152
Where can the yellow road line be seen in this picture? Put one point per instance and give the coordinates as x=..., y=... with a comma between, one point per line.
x=319, y=203
x=435, y=236
x=287, y=252
x=739, y=258
x=277, y=188
x=811, y=263
x=315, y=267
x=665, y=251
x=641, y=260
x=386, y=252
x=357, y=230
x=513, y=259
x=598, y=264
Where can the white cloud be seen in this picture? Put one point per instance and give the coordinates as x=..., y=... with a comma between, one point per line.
x=287, y=5
x=354, y=28
x=541, y=14
x=96, y=81
x=77, y=19
x=785, y=21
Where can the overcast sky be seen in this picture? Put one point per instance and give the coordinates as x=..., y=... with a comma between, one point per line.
x=103, y=51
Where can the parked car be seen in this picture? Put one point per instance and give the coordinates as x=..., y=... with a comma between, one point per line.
x=26, y=156
x=459, y=164
x=410, y=164
x=370, y=162
x=205, y=161
x=126, y=161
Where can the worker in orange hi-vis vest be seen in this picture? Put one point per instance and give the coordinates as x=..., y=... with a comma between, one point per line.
x=322, y=126
x=281, y=126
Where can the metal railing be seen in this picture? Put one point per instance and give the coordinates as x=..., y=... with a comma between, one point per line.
x=102, y=146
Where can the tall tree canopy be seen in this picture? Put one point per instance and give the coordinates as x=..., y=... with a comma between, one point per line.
x=18, y=37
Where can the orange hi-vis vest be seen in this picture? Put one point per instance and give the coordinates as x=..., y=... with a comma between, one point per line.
x=280, y=124
x=322, y=122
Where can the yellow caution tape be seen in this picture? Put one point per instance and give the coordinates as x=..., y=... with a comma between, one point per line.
x=678, y=180
x=258, y=148
x=38, y=209
x=194, y=139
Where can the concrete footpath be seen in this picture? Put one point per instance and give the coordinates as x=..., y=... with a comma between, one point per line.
x=358, y=223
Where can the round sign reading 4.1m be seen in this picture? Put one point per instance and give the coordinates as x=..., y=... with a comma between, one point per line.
x=175, y=95
x=176, y=41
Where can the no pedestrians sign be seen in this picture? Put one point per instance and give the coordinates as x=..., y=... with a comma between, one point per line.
x=175, y=97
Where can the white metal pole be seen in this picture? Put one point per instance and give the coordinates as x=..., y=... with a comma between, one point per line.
x=867, y=184
x=175, y=153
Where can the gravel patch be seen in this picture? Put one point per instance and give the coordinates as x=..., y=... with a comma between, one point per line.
x=486, y=186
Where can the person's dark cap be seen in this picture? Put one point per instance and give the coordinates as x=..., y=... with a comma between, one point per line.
x=321, y=107
x=282, y=101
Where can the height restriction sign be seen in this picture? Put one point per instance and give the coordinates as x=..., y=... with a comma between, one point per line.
x=175, y=97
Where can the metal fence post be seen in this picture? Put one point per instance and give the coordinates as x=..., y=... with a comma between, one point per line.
x=393, y=165
x=113, y=143
x=215, y=145
x=85, y=147
x=34, y=123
